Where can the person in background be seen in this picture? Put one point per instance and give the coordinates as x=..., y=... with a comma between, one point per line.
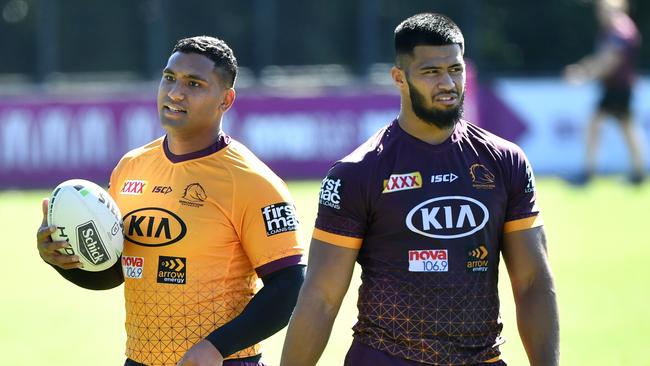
x=614, y=66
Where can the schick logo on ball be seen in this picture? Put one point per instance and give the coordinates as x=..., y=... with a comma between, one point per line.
x=90, y=244
x=279, y=218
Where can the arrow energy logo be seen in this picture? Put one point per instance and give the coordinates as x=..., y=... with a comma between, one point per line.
x=172, y=270
x=477, y=259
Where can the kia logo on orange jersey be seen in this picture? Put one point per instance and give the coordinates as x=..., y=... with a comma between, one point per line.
x=153, y=227
x=401, y=182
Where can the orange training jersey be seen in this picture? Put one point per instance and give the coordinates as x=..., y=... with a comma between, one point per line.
x=199, y=229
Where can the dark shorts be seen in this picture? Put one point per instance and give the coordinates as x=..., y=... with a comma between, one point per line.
x=362, y=355
x=616, y=102
x=248, y=361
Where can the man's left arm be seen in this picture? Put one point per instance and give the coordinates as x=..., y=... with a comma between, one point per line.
x=267, y=312
x=526, y=258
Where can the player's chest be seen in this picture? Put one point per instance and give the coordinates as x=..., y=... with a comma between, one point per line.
x=171, y=212
x=442, y=199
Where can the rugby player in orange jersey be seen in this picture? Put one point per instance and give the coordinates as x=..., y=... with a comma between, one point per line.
x=203, y=220
x=427, y=206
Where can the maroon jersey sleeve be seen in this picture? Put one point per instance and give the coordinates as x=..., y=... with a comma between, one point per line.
x=521, y=212
x=342, y=216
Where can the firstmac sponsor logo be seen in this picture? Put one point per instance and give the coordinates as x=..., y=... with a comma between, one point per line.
x=448, y=217
x=330, y=192
x=530, y=187
x=279, y=218
x=402, y=182
x=133, y=187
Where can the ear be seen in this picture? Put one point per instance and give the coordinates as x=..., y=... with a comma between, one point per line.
x=399, y=77
x=228, y=100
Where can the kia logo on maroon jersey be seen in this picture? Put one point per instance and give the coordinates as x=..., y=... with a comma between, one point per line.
x=448, y=217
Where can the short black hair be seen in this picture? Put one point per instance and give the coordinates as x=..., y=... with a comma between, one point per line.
x=427, y=29
x=216, y=50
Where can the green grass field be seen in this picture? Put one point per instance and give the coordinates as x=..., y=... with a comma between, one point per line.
x=598, y=244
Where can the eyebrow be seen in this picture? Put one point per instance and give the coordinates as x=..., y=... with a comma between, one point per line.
x=188, y=76
x=440, y=67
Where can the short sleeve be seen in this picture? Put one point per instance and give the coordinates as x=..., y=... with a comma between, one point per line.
x=342, y=217
x=113, y=182
x=269, y=224
x=521, y=212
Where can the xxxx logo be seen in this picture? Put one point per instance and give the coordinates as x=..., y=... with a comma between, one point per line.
x=401, y=182
x=133, y=187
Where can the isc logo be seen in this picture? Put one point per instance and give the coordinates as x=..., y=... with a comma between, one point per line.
x=153, y=227
x=448, y=217
x=162, y=189
x=279, y=218
x=443, y=178
x=401, y=182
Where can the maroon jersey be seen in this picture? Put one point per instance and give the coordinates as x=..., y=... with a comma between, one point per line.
x=429, y=222
x=626, y=39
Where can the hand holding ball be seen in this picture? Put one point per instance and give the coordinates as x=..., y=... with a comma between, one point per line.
x=88, y=218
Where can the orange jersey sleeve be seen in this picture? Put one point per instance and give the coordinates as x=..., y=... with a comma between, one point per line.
x=267, y=218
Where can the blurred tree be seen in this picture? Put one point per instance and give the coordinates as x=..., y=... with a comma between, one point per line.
x=504, y=37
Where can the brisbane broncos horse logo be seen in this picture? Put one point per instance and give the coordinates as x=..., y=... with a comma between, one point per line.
x=481, y=176
x=195, y=193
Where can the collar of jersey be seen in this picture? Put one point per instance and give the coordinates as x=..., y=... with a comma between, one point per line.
x=222, y=141
x=459, y=130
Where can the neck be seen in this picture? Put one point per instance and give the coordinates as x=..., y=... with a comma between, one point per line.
x=422, y=130
x=185, y=143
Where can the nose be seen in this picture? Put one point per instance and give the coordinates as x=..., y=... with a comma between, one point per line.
x=175, y=92
x=446, y=83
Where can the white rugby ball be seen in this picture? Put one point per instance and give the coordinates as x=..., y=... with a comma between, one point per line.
x=88, y=218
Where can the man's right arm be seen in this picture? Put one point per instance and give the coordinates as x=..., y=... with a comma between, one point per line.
x=329, y=271
x=68, y=265
x=596, y=66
